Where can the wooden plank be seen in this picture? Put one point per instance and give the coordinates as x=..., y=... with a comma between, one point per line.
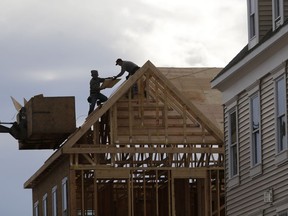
x=109, y=83
x=145, y=150
x=103, y=167
x=165, y=140
x=196, y=112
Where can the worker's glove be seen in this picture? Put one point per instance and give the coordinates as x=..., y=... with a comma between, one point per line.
x=114, y=77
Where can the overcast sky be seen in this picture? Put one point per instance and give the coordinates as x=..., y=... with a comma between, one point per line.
x=49, y=47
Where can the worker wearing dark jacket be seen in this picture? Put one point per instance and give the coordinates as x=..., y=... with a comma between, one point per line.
x=95, y=94
x=128, y=66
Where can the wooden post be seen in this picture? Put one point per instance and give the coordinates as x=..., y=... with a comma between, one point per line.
x=170, y=196
x=144, y=193
x=157, y=195
x=72, y=196
x=82, y=193
x=95, y=194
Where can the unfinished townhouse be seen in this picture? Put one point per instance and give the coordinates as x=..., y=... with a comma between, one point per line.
x=254, y=90
x=156, y=153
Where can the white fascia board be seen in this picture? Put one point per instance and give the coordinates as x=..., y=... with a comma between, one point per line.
x=223, y=80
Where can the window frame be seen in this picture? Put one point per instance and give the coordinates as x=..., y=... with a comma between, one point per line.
x=36, y=208
x=280, y=115
x=65, y=196
x=253, y=22
x=255, y=166
x=278, y=13
x=233, y=145
x=255, y=147
x=280, y=156
x=45, y=205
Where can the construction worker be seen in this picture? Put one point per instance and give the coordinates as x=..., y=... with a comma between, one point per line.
x=95, y=95
x=128, y=66
x=131, y=68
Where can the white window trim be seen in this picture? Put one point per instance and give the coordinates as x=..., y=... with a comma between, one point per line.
x=64, y=196
x=282, y=156
x=280, y=21
x=255, y=169
x=54, y=190
x=36, y=208
x=255, y=39
x=233, y=180
x=44, y=200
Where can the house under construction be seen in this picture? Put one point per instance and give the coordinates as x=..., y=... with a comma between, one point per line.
x=155, y=153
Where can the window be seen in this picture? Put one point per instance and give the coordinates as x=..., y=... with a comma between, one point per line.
x=54, y=201
x=44, y=205
x=255, y=129
x=281, y=114
x=252, y=18
x=232, y=142
x=253, y=23
x=277, y=13
x=36, y=208
x=64, y=197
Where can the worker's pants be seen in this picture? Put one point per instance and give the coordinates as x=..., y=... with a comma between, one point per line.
x=99, y=98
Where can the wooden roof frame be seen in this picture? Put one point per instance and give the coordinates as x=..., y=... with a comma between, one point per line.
x=147, y=68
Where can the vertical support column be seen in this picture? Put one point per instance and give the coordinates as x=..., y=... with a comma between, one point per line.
x=113, y=132
x=200, y=196
x=96, y=137
x=218, y=192
x=72, y=195
x=113, y=125
x=130, y=194
x=82, y=194
x=206, y=195
x=131, y=114
x=157, y=195
x=144, y=193
x=95, y=194
x=209, y=172
x=171, y=204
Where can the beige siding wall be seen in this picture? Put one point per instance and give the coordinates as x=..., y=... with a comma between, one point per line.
x=45, y=185
x=250, y=191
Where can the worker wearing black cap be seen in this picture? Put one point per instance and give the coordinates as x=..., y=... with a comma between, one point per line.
x=128, y=66
x=95, y=94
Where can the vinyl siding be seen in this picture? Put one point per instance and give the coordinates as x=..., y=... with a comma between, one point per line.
x=250, y=191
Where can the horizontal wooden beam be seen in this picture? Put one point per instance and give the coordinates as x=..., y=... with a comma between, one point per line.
x=176, y=170
x=150, y=150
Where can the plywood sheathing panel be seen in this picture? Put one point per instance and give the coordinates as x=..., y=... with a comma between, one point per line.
x=194, y=83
